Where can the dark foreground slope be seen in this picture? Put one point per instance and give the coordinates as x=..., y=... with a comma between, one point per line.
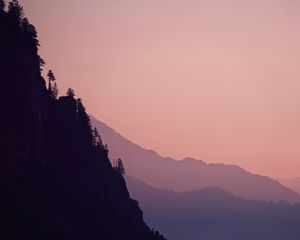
x=214, y=214
x=190, y=174
x=56, y=181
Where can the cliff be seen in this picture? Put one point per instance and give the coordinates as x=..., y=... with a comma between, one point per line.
x=56, y=179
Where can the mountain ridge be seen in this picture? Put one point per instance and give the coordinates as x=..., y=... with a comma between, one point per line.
x=190, y=174
x=212, y=213
x=293, y=183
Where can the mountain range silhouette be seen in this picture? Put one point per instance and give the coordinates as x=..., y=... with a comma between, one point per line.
x=190, y=174
x=212, y=213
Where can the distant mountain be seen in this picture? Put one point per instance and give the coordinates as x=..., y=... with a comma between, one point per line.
x=213, y=214
x=293, y=183
x=189, y=174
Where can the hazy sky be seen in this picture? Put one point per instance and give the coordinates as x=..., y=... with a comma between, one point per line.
x=218, y=80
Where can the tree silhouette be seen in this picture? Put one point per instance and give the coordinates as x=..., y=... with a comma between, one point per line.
x=84, y=126
x=81, y=113
x=97, y=141
x=52, y=86
x=51, y=78
x=54, y=90
x=30, y=36
x=29, y=32
x=71, y=93
x=120, y=167
x=15, y=11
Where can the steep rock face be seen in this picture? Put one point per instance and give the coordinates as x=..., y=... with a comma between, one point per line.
x=55, y=182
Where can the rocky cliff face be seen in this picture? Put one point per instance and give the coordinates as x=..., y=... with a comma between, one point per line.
x=56, y=182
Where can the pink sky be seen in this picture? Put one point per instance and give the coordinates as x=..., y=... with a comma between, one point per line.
x=212, y=79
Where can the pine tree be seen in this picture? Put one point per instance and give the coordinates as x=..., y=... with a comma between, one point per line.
x=31, y=39
x=51, y=78
x=81, y=113
x=15, y=11
x=120, y=167
x=71, y=93
x=97, y=141
x=30, y=32
x=52, y=86
x=54, y=91
x=84, y=125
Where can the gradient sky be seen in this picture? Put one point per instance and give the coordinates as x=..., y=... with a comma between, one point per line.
x=217, y=80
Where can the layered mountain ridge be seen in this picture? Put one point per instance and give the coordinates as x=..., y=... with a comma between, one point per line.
x=211, y=213
x=190, y=174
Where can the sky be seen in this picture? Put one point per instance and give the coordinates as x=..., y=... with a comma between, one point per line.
x=212, y=79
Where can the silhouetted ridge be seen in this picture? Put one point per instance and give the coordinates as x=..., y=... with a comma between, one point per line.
x=293, y=183
x=213, y=213
x=190, y=174
x=56, y=180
